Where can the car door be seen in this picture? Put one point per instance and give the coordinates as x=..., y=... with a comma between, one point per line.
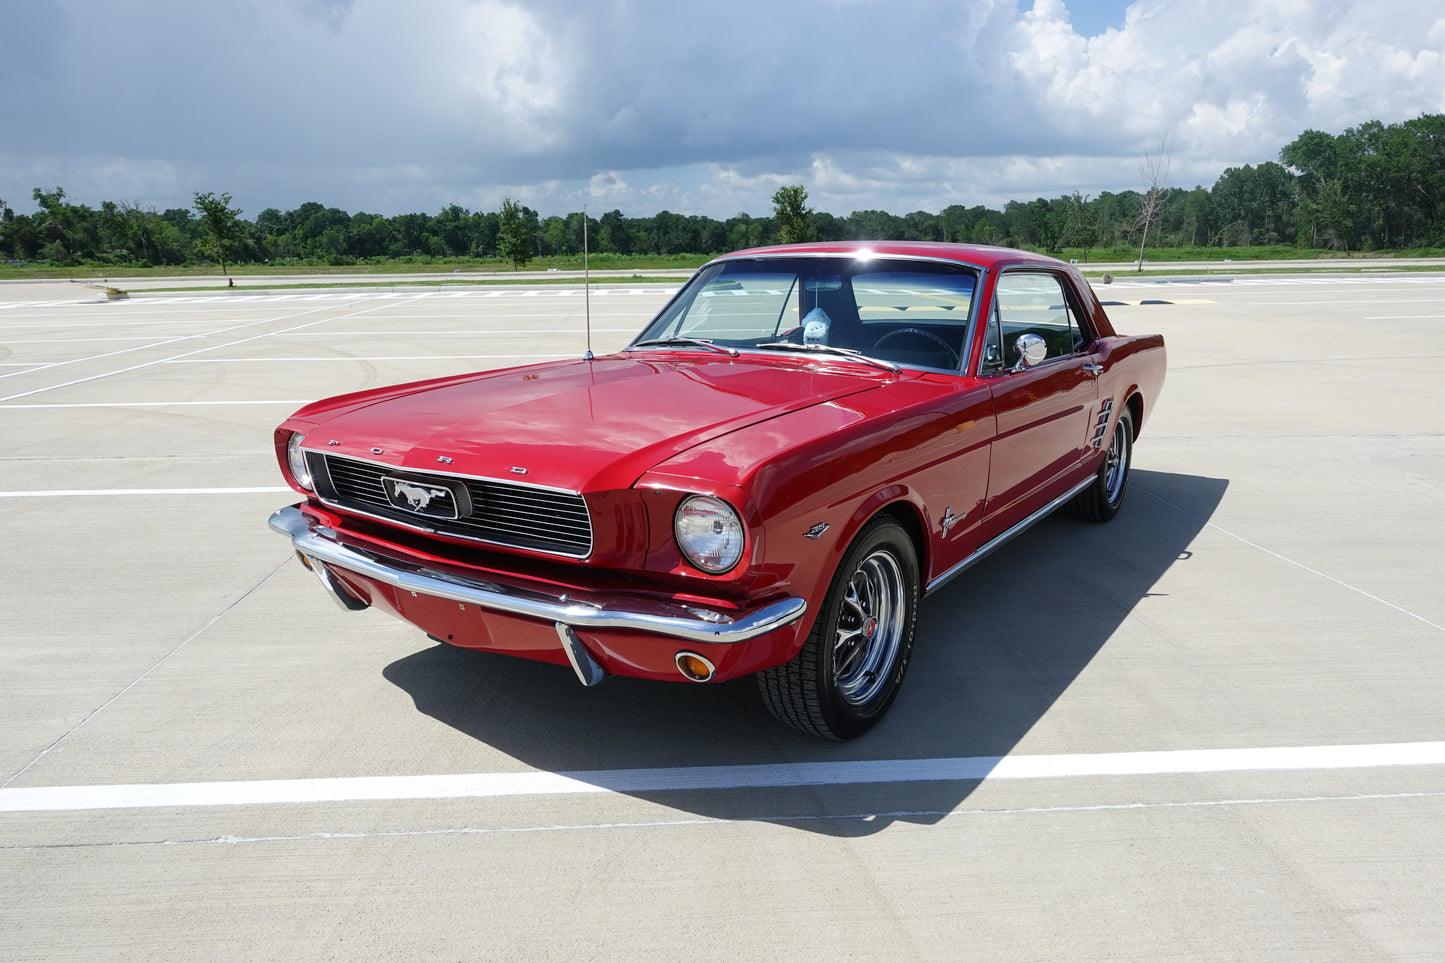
x=1045, y=411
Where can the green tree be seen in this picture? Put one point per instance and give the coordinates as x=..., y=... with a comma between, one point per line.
x=556, y=239
x=793, y=216
x=7, y=226
x=613, y=233
x=516, y=237
x=745, y=231
x=453, y=227
x=54, y=226
x=874, y=225
x=222, y=225
x=1077, y=226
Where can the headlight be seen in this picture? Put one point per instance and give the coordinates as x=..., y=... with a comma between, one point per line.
x=296, y=460
x=709, y=533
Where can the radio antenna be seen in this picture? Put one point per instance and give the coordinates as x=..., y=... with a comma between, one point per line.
x=586, y=286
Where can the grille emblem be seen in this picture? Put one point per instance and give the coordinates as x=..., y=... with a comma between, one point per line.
x=425, y=498
x=479, y=511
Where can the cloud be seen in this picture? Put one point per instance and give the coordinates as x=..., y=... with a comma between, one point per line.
x=385, y=107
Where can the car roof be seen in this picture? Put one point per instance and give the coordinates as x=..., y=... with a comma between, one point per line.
x=980, y=255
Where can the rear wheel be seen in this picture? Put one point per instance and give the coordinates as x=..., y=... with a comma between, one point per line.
x=1101, y=500
x=845, y=677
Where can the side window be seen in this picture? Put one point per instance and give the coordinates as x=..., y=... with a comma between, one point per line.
x=1037, y=303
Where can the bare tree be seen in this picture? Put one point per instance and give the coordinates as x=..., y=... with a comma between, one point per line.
x=1154, y=171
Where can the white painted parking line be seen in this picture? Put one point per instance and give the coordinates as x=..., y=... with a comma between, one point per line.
x=457, y=332
x=157, y=404
x=151, y=300
x=45, y=366
x=325, y=319
x=1334, y=302
x=776, y=776
x=779, y=818
x=80, y=340
x=422, y=357
x=86, y=492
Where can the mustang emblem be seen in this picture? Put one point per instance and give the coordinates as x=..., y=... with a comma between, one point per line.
x=422, y=498
x=418, y=497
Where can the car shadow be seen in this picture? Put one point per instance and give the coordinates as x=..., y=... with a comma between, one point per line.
x=995, y=650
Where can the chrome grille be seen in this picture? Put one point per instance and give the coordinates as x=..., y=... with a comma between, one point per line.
x=503, y=513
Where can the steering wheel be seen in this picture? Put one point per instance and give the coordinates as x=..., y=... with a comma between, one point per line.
x=925, y=335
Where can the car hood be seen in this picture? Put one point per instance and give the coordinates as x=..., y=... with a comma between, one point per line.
x=575, y=425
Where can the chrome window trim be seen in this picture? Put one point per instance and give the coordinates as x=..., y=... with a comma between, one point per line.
x=1082, y=319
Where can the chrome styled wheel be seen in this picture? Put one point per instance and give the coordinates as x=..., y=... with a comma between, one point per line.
x=1101, y=500
x=851, y=666
x=1116, y=463
x=870, y=627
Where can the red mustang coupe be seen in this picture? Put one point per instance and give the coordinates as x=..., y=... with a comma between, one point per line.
x=803, y=443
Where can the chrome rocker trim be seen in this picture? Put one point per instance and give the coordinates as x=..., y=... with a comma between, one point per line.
x=675, y=620
x=1019, y=529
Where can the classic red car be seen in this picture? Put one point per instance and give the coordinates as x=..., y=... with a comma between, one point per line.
x=805, y=441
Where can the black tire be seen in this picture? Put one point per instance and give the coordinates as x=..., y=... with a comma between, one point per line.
x=845, y=677
x=1101, y=500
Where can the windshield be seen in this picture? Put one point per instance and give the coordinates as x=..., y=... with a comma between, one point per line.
x=912, y=313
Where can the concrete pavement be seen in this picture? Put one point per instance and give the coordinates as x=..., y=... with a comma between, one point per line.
x=1037, y=793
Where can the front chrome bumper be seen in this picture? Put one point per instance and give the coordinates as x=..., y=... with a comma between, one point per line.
x=319, y=548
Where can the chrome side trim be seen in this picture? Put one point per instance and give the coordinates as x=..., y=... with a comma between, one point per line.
x=1018, y=529
x=675, y=620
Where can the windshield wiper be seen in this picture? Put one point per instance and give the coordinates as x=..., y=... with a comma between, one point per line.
x=853, y=353
x=698, y=342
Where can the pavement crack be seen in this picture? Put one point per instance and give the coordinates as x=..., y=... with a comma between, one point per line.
x=142, y=677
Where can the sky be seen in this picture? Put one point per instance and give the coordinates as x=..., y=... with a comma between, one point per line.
x=651, y=105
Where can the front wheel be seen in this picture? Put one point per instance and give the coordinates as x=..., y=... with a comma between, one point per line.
x=1101, y=500
x=844, y=678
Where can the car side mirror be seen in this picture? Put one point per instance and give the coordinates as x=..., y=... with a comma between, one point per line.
x=1030, y=349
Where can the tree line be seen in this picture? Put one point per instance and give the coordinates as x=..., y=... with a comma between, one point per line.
x=1372, y=187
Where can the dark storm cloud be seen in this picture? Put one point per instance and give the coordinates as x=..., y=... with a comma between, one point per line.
x=640, y=104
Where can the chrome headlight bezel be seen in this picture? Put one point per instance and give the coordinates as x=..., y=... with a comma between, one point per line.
x=296, y=462
x=710, y=533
